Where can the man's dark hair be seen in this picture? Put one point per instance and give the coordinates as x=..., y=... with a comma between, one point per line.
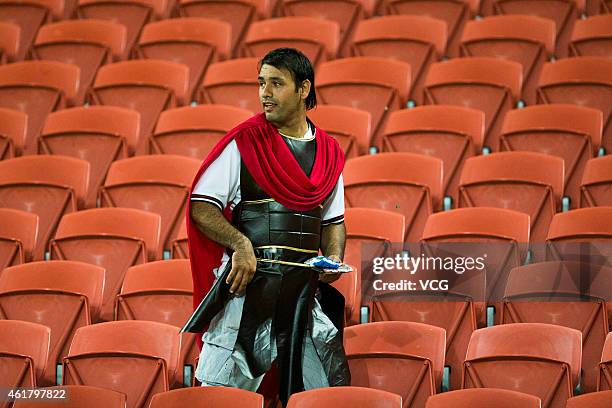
x=299, y=67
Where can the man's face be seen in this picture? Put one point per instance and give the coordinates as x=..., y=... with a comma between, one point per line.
x=278, y=96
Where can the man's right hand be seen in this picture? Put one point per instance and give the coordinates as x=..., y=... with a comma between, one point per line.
x=244, y=265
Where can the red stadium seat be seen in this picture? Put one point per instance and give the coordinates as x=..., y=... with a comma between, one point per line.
x=113, y=238
x=450, y=133
x=9, y=41
x=489, y=84
x=77, y=396
x=211, y=397
x=345, y=397
x=568, y=131
x=585, y=81
x=62, y=295
x=604, y=381
x=601, y=399
x=48, y=186
x=232, y=83
x=98, y=134
x=194, y=130
x=13, y=131
x=37, y=88
x=592, y=37
x=483, y=398
x=24, y=349
x=417, y=40
x=378, y=352
x=376, y=85
x=597, y=183
x=350, y=127
x=528, y=40
x=180, y=249
x=18, y=233
x=537, y=359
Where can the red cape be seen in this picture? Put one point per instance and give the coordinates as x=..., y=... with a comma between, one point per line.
x=276, y=171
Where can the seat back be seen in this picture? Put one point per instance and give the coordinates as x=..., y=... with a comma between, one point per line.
x=180, y=248
x=350, y=127
x=592, y=37
x=13, y=128
x=79, y=396
x=596, y=182
x=232, y=83
x=601, y=399
x=9, y=41
x=213, y=397
x=604, y=382
x=18, y=234
x=344, y=397
x=483, y=397
x=24, y=349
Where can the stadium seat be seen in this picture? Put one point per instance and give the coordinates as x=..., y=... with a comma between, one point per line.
x=374, y=84
x=317, y=38
x=232, y=83
x=24, y=350
x=156, y=183
x=597, y=182
x=211, y=397
x=602, y=399
x=9, y=41
x=489, y=84
x=417, y=40
x=180, y=249
x=563, y=12
x=113, y=238
x=483, y=398
x=238, y=13
x=62, y=295
x=194, y=41
x=77, y=396
x=350, y=127
x=134, y=357
x=194, y=130
x=37, y=88
x=405, y=183
x=133, y=14
x=534, y=358
x=450, y=133
x=98, y=134
x=161, y=292
x=345, y=397
x=592, y=37
x=48, y=186
x=528, y=40
x=571, y=132
x=523, y=181
x=378, y=352
x=13, y=128
x=604, y=381
x=585, y=81
x=18, y=232
x=561, y=293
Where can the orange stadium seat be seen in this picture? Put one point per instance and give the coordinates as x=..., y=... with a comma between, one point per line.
x=585, y=81
x=378, y=352
x=604, y=381
x=13, y=131
x=232, y=83
x=523, y=181
x=534, y=358
x=450, y=133
x=489, y=84
x=24, y=350
x=161, y=292
x=18, y=233
x=562, y=293
x=62, y=295
x=317, y=38
x=147, y=86
x=48, y=186
x=238, y=13
x=134, y=357
x=592, y=37
x=483, y=398
x=113, y=238
x=211, y=397
x=194, y=41
x=156, y=183
x=37, y=88
x=193, y=131
x=374, y=84
x=78, y=396
x=596, y=186
x=405, y=183
x=417, y=40
x=571, y=132
x=9, y=41
x=602, y=399
x=88, y=44
x=563, y=12
x=98, y=134
x=345, y=397
x=180, y=249
x=350, y=127
x=528, y=40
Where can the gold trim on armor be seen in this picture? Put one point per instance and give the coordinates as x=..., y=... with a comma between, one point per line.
x=284, y=262
x=265, y=200
x=310, y=251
